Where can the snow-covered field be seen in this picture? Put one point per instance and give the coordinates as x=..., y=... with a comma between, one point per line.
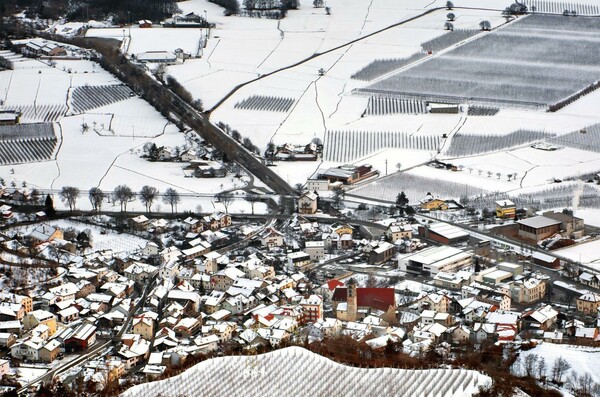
x=582, y=359
x=587, y=253
x=277, y=373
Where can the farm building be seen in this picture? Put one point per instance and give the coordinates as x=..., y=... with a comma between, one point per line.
x=189, y=20
x=443, y=233
x=538, y=228
x=157, y=57
x=433, y=260
x=83, y=337
x=545, y=260
x=348, y=174
x=570, y=225
x=443, y=108
x=9, y=117
x=208, y=169
x=505, y=209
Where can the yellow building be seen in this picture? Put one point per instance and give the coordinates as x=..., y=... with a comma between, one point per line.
x=36, y=317
x=144, y=326
x=434, y=204
x=588, y=303
x=505, y=209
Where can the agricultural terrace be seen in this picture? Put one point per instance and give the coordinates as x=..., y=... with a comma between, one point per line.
x=349, y=146
x=276, y=373
x=516, y=65
x=558, y=7
x=24, y=143
x=414, y=186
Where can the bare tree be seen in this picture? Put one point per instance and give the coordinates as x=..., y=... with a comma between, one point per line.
x=172, y=198
x=147, y=196
x=225, y=199
x=560, y=368
x=96, y=196
x=252, y=199
x=123, y=194
x=69, y=195
x=530, y=364
x=541, y=368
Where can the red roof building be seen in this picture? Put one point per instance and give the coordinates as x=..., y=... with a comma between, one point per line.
x=369, y=298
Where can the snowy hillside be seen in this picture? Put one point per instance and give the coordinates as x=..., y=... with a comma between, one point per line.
x=298, y=372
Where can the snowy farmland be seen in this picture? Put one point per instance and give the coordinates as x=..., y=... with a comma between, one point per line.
x=277, y=372
x=487, y=70
x=582, y=359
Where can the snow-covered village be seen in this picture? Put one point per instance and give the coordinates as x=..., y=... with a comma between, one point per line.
x=299, y=197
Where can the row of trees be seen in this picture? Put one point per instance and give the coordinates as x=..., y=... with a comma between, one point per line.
x=122, y=11
x=122, y=194
x=535, y=366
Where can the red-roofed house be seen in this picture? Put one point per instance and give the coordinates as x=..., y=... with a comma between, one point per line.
x=352, y=303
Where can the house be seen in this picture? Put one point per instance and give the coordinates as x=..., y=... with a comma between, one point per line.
x=398, y=231
x=82, y=338
x=313, y=308
x=4, y=367
x=134, y=353
x=68, y=315
x=307, y=203
x=541, y=319
x=270, y=238
x=505, y=209
x=208, y=169
x=64, y=292
x=140, y=273
x=7, y=339
x=298, y=260
x=315, y=250
x=189, y=155
x=27, y=350
x=49, y=351
x=438, y=303
x=145, y=23
x=139, y=223
x=36, y=317
x=528, y=290
x=430, y=203
x=381, y=253
x=588, y=303
x=44, y=233
x=143, y=325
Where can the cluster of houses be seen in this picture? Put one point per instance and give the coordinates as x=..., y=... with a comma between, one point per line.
x=199, y=299
x=291, y=152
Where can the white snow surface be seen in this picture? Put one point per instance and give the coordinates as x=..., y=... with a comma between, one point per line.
x=278, y=373
x=582, y=359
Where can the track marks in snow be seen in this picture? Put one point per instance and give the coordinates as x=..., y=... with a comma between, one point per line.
x=340, y=96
